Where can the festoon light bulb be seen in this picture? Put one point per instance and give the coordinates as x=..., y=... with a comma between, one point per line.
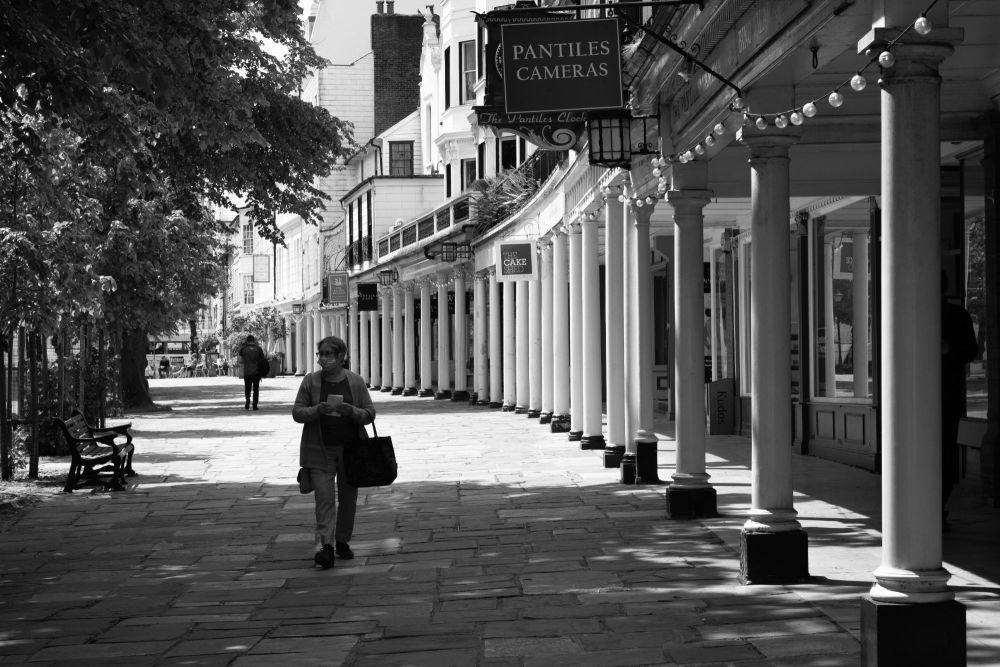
x=796, y=118
x=886, y=59
x=835, y=99
x=761, y=123
x=922, y=25
x=781, y=121
x=808, y=109
x=858, y=82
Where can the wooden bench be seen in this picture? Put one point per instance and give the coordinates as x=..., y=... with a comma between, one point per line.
x=90, y=447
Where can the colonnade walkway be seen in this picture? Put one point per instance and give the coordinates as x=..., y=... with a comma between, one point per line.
x=500, y=544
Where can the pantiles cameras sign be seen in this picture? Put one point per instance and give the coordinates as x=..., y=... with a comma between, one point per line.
x=562, y=66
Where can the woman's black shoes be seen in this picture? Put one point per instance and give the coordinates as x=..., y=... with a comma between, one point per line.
x=344, y=551
x=324, y=557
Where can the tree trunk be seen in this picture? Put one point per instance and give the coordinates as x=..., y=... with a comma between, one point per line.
x=135, y=391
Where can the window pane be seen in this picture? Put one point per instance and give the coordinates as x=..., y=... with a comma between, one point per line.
x=976, y=288
x=247, y=239
x=467, y=55
x=400, y=158
x=841, y=306
x=508, y=153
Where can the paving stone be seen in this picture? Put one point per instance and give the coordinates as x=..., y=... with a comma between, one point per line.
x=531, y=646
x=712, y=653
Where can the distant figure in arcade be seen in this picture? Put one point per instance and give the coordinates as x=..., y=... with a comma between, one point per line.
x=164, y=367
x=958, y=348
x=253, y=369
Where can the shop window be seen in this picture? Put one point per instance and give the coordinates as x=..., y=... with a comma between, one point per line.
x=975, y=285
x=741, y=270
x=248, y=290
x=248, y=239
x=841, y=304
x=508, y=153
x=468, y=173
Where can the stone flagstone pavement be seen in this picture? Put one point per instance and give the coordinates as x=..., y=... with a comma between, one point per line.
x=500, y=544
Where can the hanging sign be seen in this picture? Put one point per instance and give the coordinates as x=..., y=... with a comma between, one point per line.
x=516, y=261
x=562, y=66
x=337, y=288
x=367, y=296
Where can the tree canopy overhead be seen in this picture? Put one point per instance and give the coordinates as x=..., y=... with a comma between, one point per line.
x=186, y=85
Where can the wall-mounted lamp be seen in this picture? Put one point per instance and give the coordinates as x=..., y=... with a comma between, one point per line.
x=388, y=277
x=296, y=309
x=455, y=252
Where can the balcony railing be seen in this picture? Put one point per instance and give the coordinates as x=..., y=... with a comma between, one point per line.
x=453, y=214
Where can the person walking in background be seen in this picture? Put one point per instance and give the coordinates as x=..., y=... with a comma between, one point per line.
x=958, y=348
x=333, y=405
x=164, y=367
x=253, y=368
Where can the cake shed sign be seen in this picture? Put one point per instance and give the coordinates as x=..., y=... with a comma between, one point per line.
x=516, y=261
x=562, y=66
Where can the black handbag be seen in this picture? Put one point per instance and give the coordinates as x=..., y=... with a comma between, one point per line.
x=371, y=462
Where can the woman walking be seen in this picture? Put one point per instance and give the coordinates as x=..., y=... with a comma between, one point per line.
x=333, y=405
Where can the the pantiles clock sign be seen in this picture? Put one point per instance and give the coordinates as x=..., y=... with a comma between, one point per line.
x=545, y=71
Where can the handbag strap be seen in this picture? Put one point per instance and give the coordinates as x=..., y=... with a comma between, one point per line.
x=374, y=429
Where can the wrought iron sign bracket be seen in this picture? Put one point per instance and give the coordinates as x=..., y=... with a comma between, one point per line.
x=666, y=42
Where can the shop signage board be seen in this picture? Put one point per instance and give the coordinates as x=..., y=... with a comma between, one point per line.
x=367, y=296
x=516, y=261
x=337, y=286
x=561, y=66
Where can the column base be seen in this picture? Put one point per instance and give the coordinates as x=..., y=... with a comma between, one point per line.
x=507, y=407
x=613, y=455
x=410, y=391
x=534, y=414
x=545, y=418
x=575, y=436
x=559, y=424
x=592, y=442
x=912, y=634
x=397, y=391
x=691, y=503
x=459, y=395
x=494, y=405
x=484, y=404
x=426, y=393
x=646, y=471
x=520, y=410
x=627, y=468
x=375, y=387
x=299, y=373
x=774, y=558
x=442, y=395
x=386, y=390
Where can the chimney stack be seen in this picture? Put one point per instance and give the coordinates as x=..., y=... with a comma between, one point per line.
x=379, y=6
x=390, y=6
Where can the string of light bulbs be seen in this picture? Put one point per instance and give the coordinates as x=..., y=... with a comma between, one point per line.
x=796, y=115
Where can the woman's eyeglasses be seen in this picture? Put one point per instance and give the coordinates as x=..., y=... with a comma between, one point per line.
x=328, y=354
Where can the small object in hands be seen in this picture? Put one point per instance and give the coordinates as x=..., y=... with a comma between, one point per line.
x=335, y=399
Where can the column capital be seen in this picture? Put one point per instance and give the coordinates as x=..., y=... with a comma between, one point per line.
x=916, y=54
x=408, y=286
x=770, y=142
x=689, y=201
x=643, y=213
x=573, y=227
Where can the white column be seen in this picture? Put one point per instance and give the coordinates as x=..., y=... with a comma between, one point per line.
x=353, y=336
x=509, y=347
x=859, y=302
x=590, y=329
x=409, y=342
x=311, y=327
x=772, y=517
x=642, y=309
x=689, y=494
x=614, y=291
x=521, y=347
x=829, y=330
x=397, y=340
x=444, y=331
x=290, y=356
x=575, y=333
x=911, y=571
x=365, y=345
x=534, y=348
x=560, y=333
x=387, y=360
x=375, y=333
x=461, y=343
x=546, y=323
x=426, y=340
x=496, y=344
x=480, y=343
